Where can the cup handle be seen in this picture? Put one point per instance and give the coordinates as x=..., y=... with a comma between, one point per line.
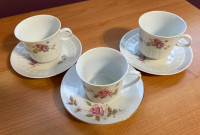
x=66, y=30
x=187, y=44
x=132, y=72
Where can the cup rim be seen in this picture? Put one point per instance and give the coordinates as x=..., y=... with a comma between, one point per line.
x=167, y=13
x=18, y=25
x=85, y=53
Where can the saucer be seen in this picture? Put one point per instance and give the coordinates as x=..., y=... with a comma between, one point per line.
x=178, y=60
x=24, y=65
x=120, y=108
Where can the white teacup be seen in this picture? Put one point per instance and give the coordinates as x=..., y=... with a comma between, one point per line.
x=102, y=71
x=41, y=35
x=160, y=32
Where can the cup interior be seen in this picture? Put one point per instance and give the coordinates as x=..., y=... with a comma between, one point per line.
x=161, y=23
x=37, y=28
x=101, y=66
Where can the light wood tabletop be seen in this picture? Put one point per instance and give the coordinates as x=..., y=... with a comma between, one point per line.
x=171, y=104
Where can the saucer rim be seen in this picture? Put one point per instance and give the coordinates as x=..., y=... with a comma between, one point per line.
x=44, y=76
x=152, y=72
x=63, y=96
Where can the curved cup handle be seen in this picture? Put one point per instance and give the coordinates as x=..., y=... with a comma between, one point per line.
x=65, y=30
x=132, y=72
x=185, y=36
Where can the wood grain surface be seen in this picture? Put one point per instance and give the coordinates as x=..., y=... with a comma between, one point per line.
x=171, y=104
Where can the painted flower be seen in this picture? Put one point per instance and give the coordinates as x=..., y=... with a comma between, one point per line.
x=141, y=58
x=104, y=93
x=33, y=63
x=42, y=48
x=37, y=49
x=39, y=45
x=157, y=41
x=77, y=110
x=45, y=47
x=159, y=45
x=96, y=110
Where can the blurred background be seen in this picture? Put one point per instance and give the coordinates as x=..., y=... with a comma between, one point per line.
x=14, y=7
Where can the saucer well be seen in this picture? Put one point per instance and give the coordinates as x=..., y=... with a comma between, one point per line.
x=178, y=60
x=24, y=65
x=120, y=108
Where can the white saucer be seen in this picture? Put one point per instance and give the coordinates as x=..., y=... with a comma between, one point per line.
x=119, y=109
x=179, y=59
x=24, y=65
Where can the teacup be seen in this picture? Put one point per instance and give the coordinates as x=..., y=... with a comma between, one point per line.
x=160, y=32
x=102, y=71
x=42, y=36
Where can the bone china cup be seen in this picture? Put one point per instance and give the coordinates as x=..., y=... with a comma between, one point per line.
x=102, y=71
x=42, y=35
x=160, y=32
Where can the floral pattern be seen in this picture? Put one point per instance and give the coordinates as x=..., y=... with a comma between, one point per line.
x=103, y=93
x=33, y=63
x=42, y=47
x=95, y=111
x=141, y=58
x=155, y=43
x=64, y=57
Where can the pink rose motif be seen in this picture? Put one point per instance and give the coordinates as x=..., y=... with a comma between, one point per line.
x=104, y=93
x=159, y=45
x=96, y=110
x=45, y=47
x=33, y=62
x=141, y=58
x=39, y=45
x=77, y=110
x=157, y=41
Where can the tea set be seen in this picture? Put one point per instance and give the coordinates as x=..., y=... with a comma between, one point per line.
x=103, y=87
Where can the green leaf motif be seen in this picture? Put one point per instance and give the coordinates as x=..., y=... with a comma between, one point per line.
x=88, y=103
x=96, y=96
x=148, y=44
x=71, y=99
x=75, y=103
x=35, y=51
x=70, y=103
x=89, y=115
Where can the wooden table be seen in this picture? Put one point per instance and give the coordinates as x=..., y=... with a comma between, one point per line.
x=171, y=104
